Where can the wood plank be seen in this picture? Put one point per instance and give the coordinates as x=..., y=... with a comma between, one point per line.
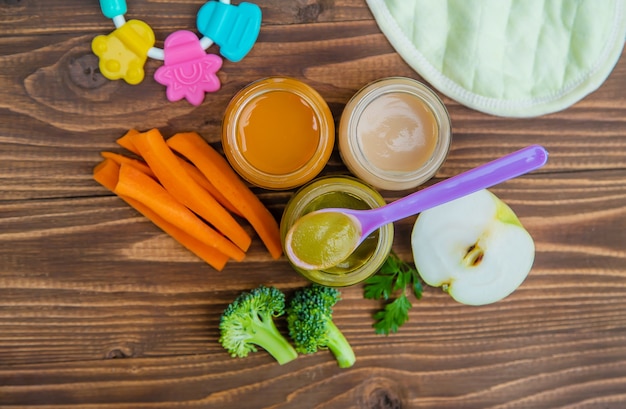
x=560, y=370
x=22, y=18
x=90, y=264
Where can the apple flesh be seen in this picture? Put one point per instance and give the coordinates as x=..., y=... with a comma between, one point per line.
x=474, y=247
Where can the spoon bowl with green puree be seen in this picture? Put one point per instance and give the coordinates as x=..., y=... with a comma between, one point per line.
x=324, y=238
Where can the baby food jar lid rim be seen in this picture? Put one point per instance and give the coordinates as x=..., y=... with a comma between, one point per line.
x=347, y=183
x=275, y=83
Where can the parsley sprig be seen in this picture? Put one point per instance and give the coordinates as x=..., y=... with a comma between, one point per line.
x=390, y=284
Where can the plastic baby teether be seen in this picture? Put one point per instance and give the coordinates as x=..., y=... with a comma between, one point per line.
x=188, y=71
x=234, y=29
x=123, y=53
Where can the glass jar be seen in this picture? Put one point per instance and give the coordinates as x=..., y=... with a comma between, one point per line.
x=343, y=192
x=278, y=133
x=394, y=133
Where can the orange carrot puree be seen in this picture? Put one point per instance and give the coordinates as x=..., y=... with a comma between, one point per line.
x=278, y=132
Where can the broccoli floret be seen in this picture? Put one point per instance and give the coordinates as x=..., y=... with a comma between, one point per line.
x=310, y=324
x=248, y=321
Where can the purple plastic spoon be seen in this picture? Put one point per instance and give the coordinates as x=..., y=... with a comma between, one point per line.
x=342, y=244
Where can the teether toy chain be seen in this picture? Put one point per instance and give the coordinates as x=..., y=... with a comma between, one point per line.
x=188, y=70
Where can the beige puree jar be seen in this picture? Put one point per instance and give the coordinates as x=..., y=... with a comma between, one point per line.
x=394, y=133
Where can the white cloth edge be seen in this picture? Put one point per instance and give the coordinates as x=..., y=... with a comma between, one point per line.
x=576, y=91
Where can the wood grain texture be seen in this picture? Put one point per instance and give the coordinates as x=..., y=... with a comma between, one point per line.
x=100, y=309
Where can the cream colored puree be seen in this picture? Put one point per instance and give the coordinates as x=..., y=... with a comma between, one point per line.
x=397, y=132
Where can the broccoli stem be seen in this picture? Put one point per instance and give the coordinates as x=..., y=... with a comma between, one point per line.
x=339, y=346
x=269, y=338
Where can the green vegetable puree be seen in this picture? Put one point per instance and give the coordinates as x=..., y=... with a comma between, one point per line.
x=324, y=239
x=365, y=250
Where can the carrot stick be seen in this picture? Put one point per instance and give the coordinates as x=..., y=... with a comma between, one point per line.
x=191, y=170
x=126, y=141
x=166, y=166
x=208, y=186
x=136, y=185
x=213, y=165
x=119, y=159
x=107, y=174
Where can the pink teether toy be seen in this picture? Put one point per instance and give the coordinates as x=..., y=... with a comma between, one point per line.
x=188, y=71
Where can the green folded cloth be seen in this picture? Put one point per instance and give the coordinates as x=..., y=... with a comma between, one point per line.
x=514, y=58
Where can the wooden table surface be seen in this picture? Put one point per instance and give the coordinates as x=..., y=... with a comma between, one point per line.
x=100, y=309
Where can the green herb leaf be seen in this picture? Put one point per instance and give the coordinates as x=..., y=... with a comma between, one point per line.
x=377, y=287
x=418, y=288
x=394, y=277
x=390, y=319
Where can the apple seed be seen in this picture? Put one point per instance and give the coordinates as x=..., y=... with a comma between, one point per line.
x=473, y=256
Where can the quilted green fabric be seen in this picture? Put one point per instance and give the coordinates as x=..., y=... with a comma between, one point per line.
x=515, y=58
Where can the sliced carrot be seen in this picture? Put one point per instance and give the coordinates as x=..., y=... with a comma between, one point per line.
x=208, y=186
x=213, y=165
x=166, y=166
x=137, y=185
x=107, y=174
x=119, y=159
x=126, y=142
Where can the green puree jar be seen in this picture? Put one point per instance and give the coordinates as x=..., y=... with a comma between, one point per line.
x=346, y=192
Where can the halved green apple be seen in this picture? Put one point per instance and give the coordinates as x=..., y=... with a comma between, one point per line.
x=474, y=247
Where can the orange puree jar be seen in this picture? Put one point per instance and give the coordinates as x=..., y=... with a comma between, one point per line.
x=278, y=133
x=394, y=133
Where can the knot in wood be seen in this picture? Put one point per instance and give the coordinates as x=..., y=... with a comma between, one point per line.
x=308, y=13
x=85, y=73
x=383, y=399
x=118, y=353
x=309, y=10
